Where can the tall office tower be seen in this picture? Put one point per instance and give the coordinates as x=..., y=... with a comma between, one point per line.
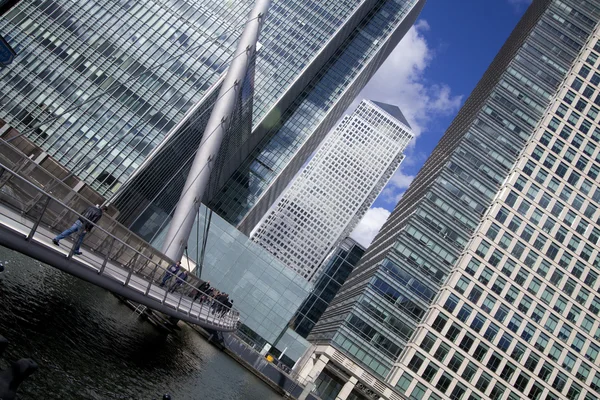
x=481, y=283
x=99, y=84
x=337, y=187
x=112, y=80
x=336, y=269
x=290, y=131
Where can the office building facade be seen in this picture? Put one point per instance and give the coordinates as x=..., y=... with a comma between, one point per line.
x=337, y=187
x=336, y=269
x=481, y=283
x=100, y=85
x=290, y=132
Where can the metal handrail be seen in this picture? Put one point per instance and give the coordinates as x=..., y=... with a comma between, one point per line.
x=229, y=318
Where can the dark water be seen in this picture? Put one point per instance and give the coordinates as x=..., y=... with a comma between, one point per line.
x=90, y=346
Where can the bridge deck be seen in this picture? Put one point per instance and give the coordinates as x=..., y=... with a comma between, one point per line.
x=30, y=217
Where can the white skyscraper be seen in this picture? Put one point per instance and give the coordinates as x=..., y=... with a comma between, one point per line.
x=336, y=188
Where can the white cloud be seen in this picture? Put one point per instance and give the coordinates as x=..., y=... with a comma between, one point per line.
x=400, y=81
x=367, y=228
x=400, y=180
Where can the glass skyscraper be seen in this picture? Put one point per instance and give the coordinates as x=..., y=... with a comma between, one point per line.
x=336, y=269
x=481, y=284
x=99, y=85
x=336, y=188
x=288, y=134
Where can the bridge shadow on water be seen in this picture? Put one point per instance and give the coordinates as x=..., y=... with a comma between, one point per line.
x=91, y=346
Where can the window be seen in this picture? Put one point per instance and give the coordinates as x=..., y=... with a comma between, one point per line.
x=483, y=249
x=483, y=382
x=532, y=361
x=543, y=268
x=515, y=223
x=518, y=249
x=458, y=392
x=574, y=314
x=441, y=352
x=540, y=241
x=494, y=361
x=541, y=342
x=498, y=285
x=574, y=391
x=464, y=312
x=418, y=392
x=518, y=352
x=451, y=303
x=462, y=285
x=488, y=304
x=497, y=391
x=443, y=383
x=522, y=276
x=569, y=361
x=453, y=332
x=536, y=392
x=430, y=371
x=515, y=323
x=507, y=372
x=559, y=382
x=538, y=313
x=455, y=362
x=547, y=295
x=534, y=286
x=505, y=342
x=404, y=382
x=555, y=351
x=428, y=342
x=592, y=352
x=583, y=372
x=485, y=276
x=475, y=294
x=502, y=215
x=491, y=332
x=478, y=322
x=480, y=352
x=522, y=381
x=416, y=362
x=495, y=258
x=546, y=371
x=528, y=332
x=508, y=267
x=551, y=323
x=440, y=322
x=565, y=332
x=469, y=371
x=525, y=304
x=493, y=231
x=466, y=342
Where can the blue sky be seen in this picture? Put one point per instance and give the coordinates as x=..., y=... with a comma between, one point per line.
x=430, y=74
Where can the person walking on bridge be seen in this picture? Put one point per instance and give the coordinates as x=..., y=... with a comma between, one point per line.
x=84, y=224
x=181, y=277
x=171, y=272
x=201, y=289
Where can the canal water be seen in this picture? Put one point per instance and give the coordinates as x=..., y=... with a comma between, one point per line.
x=90, y=346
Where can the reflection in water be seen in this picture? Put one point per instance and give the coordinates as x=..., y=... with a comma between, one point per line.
x=90, y=346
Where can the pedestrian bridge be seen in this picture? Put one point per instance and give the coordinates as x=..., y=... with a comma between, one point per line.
x=35, y=206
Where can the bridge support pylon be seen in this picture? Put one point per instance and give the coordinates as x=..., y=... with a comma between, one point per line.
x=218, y=123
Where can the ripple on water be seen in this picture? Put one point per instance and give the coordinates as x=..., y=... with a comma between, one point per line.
x=90, y=346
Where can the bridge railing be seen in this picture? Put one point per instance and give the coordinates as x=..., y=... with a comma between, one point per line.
x=42, y=200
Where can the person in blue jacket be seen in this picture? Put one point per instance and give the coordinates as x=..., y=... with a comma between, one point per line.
x=171, y=272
